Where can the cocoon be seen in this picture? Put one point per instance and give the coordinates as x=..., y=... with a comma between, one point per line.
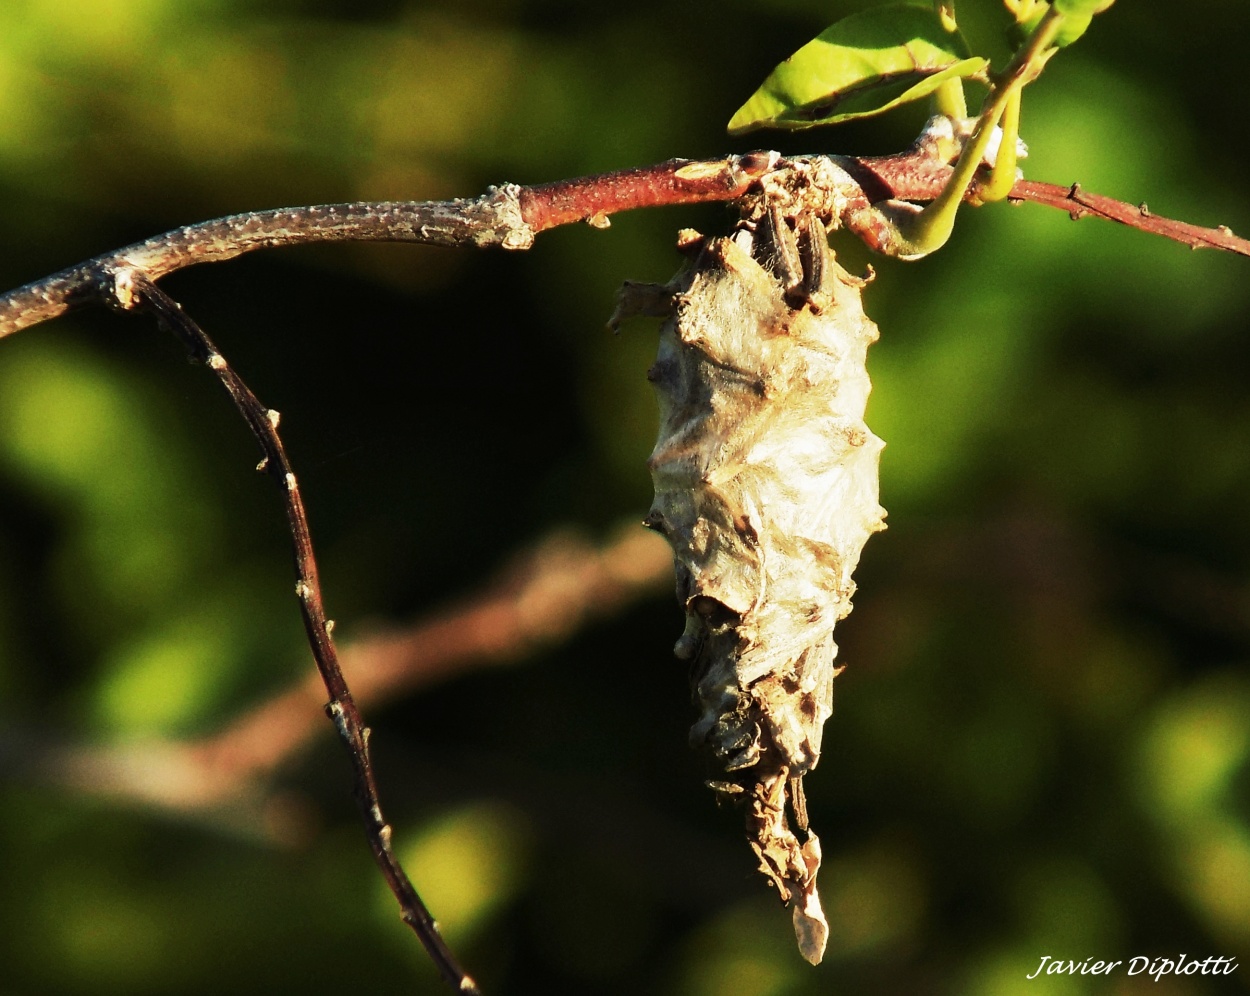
x=766, y=488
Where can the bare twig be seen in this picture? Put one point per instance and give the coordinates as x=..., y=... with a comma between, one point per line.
x=133, y=290
x=492, y=219
x=1080, y=204
x=510, y=216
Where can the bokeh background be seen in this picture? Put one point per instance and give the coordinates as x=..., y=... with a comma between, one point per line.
x=1042, y=743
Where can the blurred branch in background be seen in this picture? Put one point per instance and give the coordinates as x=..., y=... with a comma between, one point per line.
x=540, y=599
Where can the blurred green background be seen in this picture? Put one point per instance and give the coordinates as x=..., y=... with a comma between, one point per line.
x=1042, y=743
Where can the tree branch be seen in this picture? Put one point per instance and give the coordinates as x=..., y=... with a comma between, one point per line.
x=492, y=219
x=511, y=216
x=1080, y=204
x=133, y=290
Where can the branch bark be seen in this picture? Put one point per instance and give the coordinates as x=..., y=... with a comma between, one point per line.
x=1080, y=204
x=510, y=216
x=134, y=290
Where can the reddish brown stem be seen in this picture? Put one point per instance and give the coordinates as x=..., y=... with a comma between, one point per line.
x=135, y=291
x=1080, y=204
x=510, y=216
x=678, y=181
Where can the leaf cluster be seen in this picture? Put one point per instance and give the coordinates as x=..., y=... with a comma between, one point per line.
x=875, y=60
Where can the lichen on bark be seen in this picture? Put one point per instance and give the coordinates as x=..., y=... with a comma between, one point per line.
x=766, y=488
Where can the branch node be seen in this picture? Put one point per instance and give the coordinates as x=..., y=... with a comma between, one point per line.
x=753, y=165
x=125, y=290
x=334, y=709
x=273, y=416
x=504, y=203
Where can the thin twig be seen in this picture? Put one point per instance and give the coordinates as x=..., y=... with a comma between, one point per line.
x=510, y=216
x=135, y=291
x=492, y=219
x=1080, y=204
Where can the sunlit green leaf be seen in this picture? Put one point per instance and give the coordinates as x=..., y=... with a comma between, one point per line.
x=1077, y=17
x=863, y=65
x=1082, y=8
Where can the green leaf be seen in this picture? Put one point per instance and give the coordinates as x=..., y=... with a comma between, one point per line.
x=1082, y=8
x=1077, y=16
x=863, y=65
